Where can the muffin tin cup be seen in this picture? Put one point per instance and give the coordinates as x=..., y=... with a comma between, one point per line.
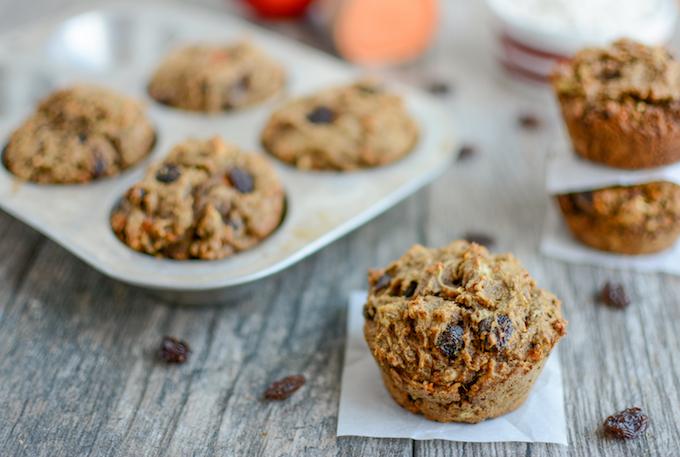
x=118, y=46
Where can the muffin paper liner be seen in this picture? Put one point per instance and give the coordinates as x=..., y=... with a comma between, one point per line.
x=366, y=408
x=569, y=173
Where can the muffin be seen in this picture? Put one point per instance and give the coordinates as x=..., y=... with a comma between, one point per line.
x=79, y=134
x=206, y=200
x=213, y=78
x=460, y=335
x=344, y=128
x=638, y=219
x=621, y=105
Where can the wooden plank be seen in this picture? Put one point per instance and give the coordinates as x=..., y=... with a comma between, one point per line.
x=80, y=375
x=77, y=364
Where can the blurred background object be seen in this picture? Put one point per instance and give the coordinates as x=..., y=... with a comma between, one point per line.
x=279, y=8
x=533, y=34
x=378, y=32
x=367, y=32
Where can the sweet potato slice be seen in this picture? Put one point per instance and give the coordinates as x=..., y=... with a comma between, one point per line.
x=384, y=31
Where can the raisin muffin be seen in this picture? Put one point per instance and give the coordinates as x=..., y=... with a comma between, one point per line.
x=213, y=78
x=460, y=335
x=344, y=128
x=79, y=134
x=206, y=200
x=621, y=105
x=638, y=219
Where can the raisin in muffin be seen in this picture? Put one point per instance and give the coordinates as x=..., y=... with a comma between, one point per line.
x=344, y=128
x=213, y=78
x=79, y=134
x=206, y=200
x=638, y=219
x=460, y=335
x=621, y=104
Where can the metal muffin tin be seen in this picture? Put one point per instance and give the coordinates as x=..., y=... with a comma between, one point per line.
x=118, y=46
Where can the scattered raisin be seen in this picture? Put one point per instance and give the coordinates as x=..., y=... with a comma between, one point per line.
x=99, y=167
x=485, y=325
x=173, y=350
x=321, y=115
x=241, y=180
x=504, y=331
x=369, y=312
x=479, y=238
x=582, y=201
x=610, y=72
x=238, y=92
x=284, y=388
x=466, y=152
x=627, y=424
x=82, y=137
x=411, y=289
x=168, y=173
x=529, y=121
x=450, y=341
x=382, y=282
x=614, y=295
x=438, y=88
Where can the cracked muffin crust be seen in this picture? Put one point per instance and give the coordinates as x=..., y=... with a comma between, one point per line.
x=638, y=219
x=79, y=134
x=621, y=104
x=460, y=335
x=205, y=200
x=213, y=78
x=343, y=128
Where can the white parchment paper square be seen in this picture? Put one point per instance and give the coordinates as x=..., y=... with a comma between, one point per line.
x=366, y=408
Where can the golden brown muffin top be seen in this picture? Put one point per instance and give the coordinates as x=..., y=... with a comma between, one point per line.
x=459, y=316
x=624, y=70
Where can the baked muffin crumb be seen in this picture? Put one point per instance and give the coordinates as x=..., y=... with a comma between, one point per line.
x=205, y=200
x=79, y=134
x=639, y=219
x=361, y=125
x=621, y=104
x=459, y=334
x=213, y=78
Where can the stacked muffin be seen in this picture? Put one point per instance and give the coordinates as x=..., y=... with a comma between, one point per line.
x=621, y=106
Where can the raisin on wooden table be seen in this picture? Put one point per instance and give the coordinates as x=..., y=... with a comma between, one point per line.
x=614, y=294
x=466, y=152
x=628, y=424
x=284, y=388
x=479, y=238
x=173, y=350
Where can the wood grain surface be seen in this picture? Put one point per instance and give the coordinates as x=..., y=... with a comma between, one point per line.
x=78, y=372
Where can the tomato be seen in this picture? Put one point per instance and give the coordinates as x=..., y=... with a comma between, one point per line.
x=279, y=8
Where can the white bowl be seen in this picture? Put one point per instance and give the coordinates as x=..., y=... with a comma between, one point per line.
x=531, y=42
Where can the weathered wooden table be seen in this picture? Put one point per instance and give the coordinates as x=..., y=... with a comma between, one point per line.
x=78, y=372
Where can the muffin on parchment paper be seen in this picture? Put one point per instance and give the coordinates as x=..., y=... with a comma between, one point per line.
x=460, y=335
x=621, y=104
x=638, y=219
x=214, y=78
x=205, y=200
x=79, y=134
x=345, y=128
